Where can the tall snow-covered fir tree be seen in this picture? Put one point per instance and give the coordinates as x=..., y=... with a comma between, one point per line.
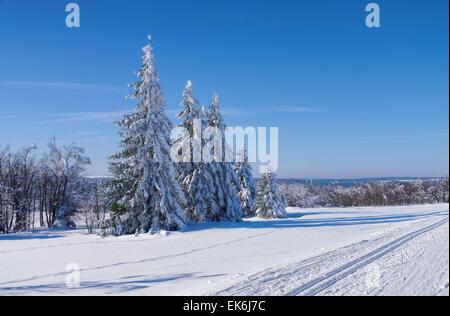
x=247, y=193
x=145, y=192
x=195, y=176
x=226, y=180
x=268, y=202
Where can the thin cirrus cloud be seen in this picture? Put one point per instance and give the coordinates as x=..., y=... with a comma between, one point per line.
x=101, y=117
x=60, y=85
x=295, y=109
x=111, y=116
x=404, y=136
x=273, y=109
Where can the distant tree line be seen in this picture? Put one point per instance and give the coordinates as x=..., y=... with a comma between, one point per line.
x=377, y=193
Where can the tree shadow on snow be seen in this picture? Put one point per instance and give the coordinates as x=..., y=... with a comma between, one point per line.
x=28, y=236
x=295, y=220
x=123, y=285
x=339, y=221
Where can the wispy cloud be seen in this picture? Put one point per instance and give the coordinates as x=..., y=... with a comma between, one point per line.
x=295, y=109
x=102, y=117
x=273, y=109
x=406, y=136
x=112, y=116
x=59, y=85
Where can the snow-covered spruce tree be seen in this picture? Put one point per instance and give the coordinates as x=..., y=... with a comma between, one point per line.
x=145, y=191
x=247, y=192
x=226, y=180
x=268, y=202
x=195, y=176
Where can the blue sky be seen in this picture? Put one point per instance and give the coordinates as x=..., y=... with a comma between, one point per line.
x=379, y=96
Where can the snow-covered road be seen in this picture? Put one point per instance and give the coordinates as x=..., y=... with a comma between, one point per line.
x=352, y=251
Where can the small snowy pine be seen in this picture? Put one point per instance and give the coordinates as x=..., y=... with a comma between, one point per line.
x=226, y=180
x=195, y=176
x=247, y=193
x=268, y=202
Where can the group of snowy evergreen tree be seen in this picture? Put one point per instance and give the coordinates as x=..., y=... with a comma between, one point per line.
x=210, y=188
x=150, y=192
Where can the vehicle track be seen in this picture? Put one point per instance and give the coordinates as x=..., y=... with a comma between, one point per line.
x=285, y=280
x=318, y=285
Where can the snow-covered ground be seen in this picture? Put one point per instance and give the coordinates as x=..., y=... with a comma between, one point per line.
x=336, y=251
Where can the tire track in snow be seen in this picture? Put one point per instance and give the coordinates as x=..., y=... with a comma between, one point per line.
x=318, y=285
x=280, y=281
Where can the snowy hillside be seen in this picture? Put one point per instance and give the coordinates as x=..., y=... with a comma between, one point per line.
x=359, y=251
